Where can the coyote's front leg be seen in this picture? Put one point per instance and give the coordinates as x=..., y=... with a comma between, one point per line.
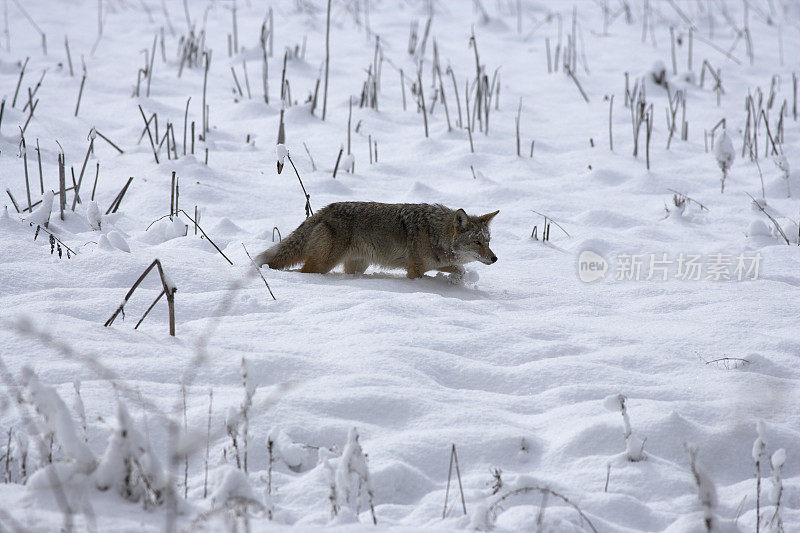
x=415, y=269
x=456, y=273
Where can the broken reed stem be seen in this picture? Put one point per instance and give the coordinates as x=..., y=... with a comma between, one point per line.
x=309, y=212
x=75, y=196
x=19, y=82
x=96, y=175
x=469, y=125
x=62, y=185
x=13, y=201
x=610, y=120
x=83, y=168
x=207, y=56
x=236, y=81
x=422, y=100
x=151, y=64
x=69, y=56
x=771, y=218
x=547, y=49
x=172, y=196
x=672, y=48
x=403, y=88
x=24, y=150
x=458, y=100
x=185, y=118
x=349, y=118
x=217, y=248
x=118, y=199
x=264, y=63
x=246, y=79
x=327, y=60
x=186, y=455
x=152, y=305
x=338, y=158
x=208, y=440
x=577, y=84
x=649, y=131
x=519, y=112
x=169, y=291
x=149, y=135
x=106, y=139
x=453, y=461
x=39, y=159
x=259, y=271
x=444, y=98
x=80, y=91
x=313, y=166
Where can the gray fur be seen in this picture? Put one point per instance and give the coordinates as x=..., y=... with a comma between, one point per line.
x=415, y=237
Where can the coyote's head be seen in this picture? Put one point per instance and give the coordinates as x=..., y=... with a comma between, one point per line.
x=471, y=238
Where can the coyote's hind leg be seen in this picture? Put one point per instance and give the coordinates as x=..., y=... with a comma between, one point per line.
x=323, y=251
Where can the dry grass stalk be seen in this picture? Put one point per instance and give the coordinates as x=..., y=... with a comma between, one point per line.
x=168, y=290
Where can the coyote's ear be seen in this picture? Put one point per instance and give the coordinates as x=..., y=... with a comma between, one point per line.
x=461, y=220
x=488, y=217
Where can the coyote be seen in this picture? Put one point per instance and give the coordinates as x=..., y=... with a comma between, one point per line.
x=415, y=237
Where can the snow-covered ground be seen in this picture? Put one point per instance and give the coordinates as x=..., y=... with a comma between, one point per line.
x=519, y=367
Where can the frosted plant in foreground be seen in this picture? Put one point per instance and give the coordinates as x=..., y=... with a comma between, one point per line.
x=324, y=455
x=634, y=447
x=706, y=491
x=759, y=450
x=783, y=165
x=58, y=421
x=776, y=491
x=232, y=496
x=232, y=421
x=658, y=73
x=93, y=215
x=281, y=152
x=290, y=452
x=41, y=215
x=351, y=480
x=232, y=489
x=723, y=152
x=129, y=465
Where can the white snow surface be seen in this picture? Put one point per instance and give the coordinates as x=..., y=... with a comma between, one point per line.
x=513, y=365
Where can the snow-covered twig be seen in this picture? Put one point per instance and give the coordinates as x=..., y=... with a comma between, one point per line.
x=454, y=461
x=759, y=450
x=771, y=218
x=776, y=464
x=634, y=448
x=169, y=290
x=353, y=462
x=491, y=512
x=706, y=491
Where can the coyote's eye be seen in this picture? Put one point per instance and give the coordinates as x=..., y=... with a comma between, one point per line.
x=478, y=243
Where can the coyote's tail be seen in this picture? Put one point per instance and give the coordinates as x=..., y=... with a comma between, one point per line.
x=290, y=251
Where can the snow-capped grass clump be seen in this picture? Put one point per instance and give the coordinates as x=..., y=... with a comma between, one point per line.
x=724, y=154
x=634, y=446
x=783, y=165
x=353, y=487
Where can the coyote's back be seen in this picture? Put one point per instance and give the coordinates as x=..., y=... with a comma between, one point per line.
x=415, y=237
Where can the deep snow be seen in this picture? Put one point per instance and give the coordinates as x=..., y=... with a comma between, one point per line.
x=513, y=366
